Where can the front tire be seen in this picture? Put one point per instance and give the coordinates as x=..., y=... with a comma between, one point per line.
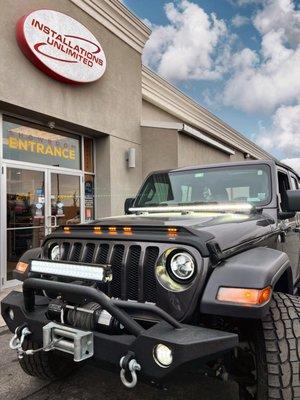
x=275, y=342
x=50, y=365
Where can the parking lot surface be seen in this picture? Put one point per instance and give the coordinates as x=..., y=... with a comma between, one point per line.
x=90, y=383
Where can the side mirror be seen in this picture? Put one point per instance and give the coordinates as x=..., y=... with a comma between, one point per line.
x=128, y=204
x=293, y=200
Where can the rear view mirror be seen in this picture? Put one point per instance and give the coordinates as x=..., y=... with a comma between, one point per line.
x=293, y=200
x=128, y=204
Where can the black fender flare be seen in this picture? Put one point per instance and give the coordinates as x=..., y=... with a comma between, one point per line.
x=29, y=255
x=255, y=268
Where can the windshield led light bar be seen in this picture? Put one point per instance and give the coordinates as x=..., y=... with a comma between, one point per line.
x=201, y=207
x=96, y=273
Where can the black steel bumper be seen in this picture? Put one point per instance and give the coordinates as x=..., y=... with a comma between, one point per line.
x=188, y=343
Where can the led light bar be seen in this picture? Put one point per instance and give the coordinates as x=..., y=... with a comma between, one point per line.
x=94, y=273
x=235, y=207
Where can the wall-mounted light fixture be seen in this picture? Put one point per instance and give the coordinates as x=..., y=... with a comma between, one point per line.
x=130, y=157
x=247, y=156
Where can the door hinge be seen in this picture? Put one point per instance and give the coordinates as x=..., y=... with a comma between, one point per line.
x=2, y=170
x=2, y=281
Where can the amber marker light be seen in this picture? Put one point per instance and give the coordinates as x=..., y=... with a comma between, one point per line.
x=127, y=230
x=97, y=230
x=172, y=232
x=112, y=230
x=244, y=296
x=21, y=267
x=67, y=229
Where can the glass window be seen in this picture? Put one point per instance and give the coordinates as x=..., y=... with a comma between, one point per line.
x=65, y=198
x=89, y=193
x=249, y=183
x=294, y=183
x=25, y=198
x=30, y=143
x=88, y=155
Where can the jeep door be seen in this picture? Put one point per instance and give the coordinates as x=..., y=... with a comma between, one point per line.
x=288, y=222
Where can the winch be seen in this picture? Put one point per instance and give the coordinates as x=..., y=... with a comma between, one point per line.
x=89, y=316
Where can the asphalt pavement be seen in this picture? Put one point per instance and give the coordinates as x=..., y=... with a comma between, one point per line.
x=91, y=383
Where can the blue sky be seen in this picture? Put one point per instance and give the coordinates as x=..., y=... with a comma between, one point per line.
x=238, y=58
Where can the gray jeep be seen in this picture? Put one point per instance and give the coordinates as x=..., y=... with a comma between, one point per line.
x=202, y=273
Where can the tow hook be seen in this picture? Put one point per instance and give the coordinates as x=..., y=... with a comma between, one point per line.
x=18, y=338
x=129, y=365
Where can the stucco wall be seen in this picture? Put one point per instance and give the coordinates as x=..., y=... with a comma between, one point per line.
x=152, y=113
x=159, y=149
x=193, y=152
x=238, y=156
x=117, y=93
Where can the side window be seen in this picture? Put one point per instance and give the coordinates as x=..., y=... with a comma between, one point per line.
x=294, y=183
x=283, y=185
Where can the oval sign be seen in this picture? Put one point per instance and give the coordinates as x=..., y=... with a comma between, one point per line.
x=61, y=47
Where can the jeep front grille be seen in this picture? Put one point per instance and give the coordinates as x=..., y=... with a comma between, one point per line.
x=132, y=265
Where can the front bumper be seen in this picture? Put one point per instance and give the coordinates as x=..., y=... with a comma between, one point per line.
x=188, y=343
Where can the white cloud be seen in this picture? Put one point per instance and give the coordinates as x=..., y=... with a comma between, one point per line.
x=270, y=78
x=241, y=3
x=239, y=20
x=194, y=44
x=284, y=134
x=293, y=162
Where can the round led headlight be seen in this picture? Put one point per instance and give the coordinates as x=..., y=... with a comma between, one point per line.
x=181, y=266
x=163, y=355
x=55, y=252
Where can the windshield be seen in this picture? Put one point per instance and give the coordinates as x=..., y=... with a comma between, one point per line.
x=232, y=184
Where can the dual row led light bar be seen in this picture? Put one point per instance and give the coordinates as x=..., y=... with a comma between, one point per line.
x=94, y=273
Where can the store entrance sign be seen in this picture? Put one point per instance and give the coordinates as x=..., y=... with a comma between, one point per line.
x=61, y=47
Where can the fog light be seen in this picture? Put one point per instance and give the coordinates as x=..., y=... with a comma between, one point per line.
x=11, y=314
x=162, y=355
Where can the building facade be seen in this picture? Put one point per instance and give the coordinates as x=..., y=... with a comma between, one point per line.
x=74, y=152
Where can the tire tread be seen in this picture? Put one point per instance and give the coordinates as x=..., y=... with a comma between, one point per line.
x=281, y=330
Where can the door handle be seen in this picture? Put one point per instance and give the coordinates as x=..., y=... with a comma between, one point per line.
x=53, y=218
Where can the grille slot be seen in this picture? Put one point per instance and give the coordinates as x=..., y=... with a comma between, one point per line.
x=132, y=272
x=151, y=256
x=88, y=253
x=102, y=255
x=116, y=266
x=76, y=251
x=65, y=250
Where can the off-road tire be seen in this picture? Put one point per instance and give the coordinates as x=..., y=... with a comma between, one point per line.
x=276, y=342
x=49, y=365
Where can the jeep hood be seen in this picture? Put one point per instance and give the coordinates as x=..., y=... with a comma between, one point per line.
x=228, y=229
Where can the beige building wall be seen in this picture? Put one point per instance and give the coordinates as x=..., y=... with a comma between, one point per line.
x=151, y=113
x=159, y=149
x=194, y=152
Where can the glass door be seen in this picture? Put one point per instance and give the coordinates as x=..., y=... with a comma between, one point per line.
x=64, y=201
x=25, y=221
